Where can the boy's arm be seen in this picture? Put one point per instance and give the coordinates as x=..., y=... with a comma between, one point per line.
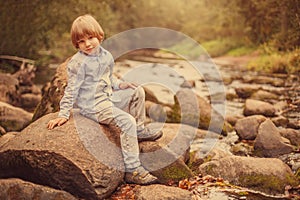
x=75, y=79
x=56, y=122
x=114, y=81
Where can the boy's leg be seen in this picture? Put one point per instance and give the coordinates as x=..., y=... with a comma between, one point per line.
x=135, y=173
x=133, y=102
x=128, y=137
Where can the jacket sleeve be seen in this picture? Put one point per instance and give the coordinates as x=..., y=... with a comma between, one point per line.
x=75, y=79
x=114, y=81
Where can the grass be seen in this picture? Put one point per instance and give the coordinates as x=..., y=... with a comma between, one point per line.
x=241, y=51
x=221, y=46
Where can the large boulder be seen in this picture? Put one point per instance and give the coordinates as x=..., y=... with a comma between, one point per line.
x=75, y=157
x=268, y=142
x=19, y=189
x=13, y=118
x=194, y=110
x=252, y=173
x=167, y=156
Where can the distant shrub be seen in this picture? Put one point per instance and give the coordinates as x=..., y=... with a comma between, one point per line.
x=277, y=62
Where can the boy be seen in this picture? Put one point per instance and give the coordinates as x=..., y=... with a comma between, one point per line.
x=102, y=98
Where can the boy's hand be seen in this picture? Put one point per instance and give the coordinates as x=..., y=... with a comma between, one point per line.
x=56, y=122
x=125, y=85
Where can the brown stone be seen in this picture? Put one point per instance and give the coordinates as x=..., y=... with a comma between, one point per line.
x=15, y=189
x=269, y=142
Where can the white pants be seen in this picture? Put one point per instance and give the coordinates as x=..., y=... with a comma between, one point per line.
x=129, y=115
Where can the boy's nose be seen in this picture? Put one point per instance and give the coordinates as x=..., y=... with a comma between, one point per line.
x=87, y=43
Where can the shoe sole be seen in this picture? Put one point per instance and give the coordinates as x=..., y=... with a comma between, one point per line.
x=152, y=138
x=147, y=183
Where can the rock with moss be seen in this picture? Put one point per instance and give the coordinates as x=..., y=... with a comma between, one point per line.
x=166, y=158
x=252, y=173
x=192, y=109
x=52, y=92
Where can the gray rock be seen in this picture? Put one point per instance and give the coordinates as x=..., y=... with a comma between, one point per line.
x=19, y=189
x=247, y=128
x=13, y=118
x=194, y=110
x=269, y=142
x=256, y=107
x=252, y=173
x=158, y=192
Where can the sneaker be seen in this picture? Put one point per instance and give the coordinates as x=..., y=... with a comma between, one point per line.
x=140, y=176
x=149, y=134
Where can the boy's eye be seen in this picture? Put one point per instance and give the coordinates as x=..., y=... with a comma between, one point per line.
x=90, y=37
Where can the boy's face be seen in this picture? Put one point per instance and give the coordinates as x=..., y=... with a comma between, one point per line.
x=88, y=44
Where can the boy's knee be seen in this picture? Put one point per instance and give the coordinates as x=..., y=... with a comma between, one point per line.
x=140, y=92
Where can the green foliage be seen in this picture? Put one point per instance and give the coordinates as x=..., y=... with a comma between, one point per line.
x=35, y=29
x=240, y=51
x=220, y=46
x=277, y=62
x=272, y=20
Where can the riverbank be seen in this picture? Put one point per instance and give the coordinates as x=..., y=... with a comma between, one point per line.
x=165, y=76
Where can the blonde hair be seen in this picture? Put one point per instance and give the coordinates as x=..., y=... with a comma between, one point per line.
x=85, y=25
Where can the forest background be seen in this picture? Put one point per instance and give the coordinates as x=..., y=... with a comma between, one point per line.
x=39, y=29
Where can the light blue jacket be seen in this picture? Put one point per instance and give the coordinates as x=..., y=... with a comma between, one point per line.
x=90, y=83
